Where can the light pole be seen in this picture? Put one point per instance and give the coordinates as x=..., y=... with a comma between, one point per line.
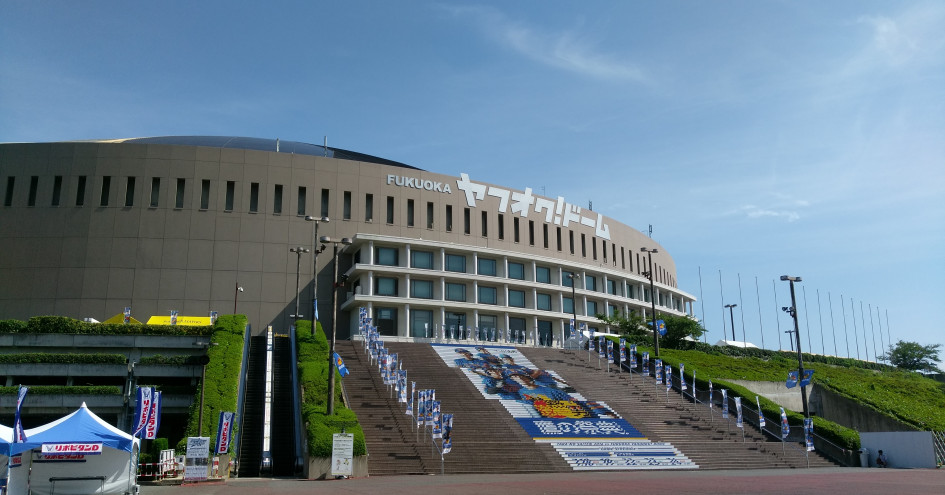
x=574, y=277
x=797, y=335
x=334, y=320
x=236, y=296
x=732, y=318
x=315, y=251
x=299, y=251
x=649, y=273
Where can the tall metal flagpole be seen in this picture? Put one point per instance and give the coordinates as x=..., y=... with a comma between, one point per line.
x=774, y=287
x=722, y=299
x=807, y=321
x=820, y=315
x=833, y=329
x=863, y=323
x=761, y=326
x=704, y=331
x=873, y=333
x=741, y=302
x=888, y=336
x=856, y=337
x=846, y=335
x=880, y=325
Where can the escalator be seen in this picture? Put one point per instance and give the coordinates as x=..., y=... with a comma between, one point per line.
x=283, y=426
x=251, y=424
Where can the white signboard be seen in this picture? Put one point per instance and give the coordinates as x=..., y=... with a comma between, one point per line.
x=342, y=454
x=82, y=448
x=198, y=453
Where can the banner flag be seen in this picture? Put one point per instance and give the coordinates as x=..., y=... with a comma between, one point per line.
x=127, y=314
x=224, y=429
x=724, y=403
x=154, y=417
x=572, y=329
x=315, y=310
x=409, y=411
x=669, y=377
x=437, y=420
x=447, y=433
x=808, y=374
x=174, y=317
x=791, y=379
x=623, y=351
x=646, y=363
x=610, y=351
x=809, y=433
x=633, y=355
x=761, y=415
x=682, y=376
x=711, y=405
x=402, y=393
x=142, y=409
x=661, y=325
x=600, y=347
x=738, y=412
x=785, y=427
x=421, y=414
x=19, y=434
x=658, y=371
x=340, y=364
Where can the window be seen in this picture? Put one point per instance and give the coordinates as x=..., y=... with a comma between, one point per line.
x=386, y=320
x=254, y=197
x=325, y=202
x=8, y=196
x=449, y=218
x=531, y=232
x=429, y=214
x=516, y=298
x=346, y=209
x=543, y=274
x=567, y=305
x=179, y=197
x=455, y=263
x=591, y=307
x=566, y=279
x=612, y=287
x=631, y=292
x=623, y=259
x=155, y=192
x=421, y=323
x=590, y=282
x=56, y=190
x=387, y=256
x=410, y=213
x=369, y=208
x=106, y=188
x=390, y=210
x=543, y=301
x=516, y=271
x=571, y=239
x=34, y=185
x=594, y=247
x=205, y=196
x=501, y=226
x=130, y=192
x=485, y=224
x=300, y=210
x=612, y=310
x=515, y=236
x=231, y=192
x=421, y=259
x=422, y=289
x=559, y=237
x=488, y=324
x=583, y=246
x=487, y=295
x=486, y=266
x=386, y=286
x=544, y=228
x=466, y=221
x=455, y=292
x=80, y=191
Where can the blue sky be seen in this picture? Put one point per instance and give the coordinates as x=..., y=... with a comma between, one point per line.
x=758, y=138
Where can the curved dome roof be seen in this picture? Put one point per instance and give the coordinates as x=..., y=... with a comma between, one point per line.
x=263, y=144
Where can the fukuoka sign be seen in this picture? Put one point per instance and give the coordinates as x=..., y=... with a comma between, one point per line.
x=556, y=212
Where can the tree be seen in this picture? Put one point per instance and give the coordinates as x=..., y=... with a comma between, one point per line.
x=913, y=356
x=677, y=327
x=632, y=324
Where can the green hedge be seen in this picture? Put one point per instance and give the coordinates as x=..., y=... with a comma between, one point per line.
x=222, y=378
x=64, y=325
x=158, y=359
x=65, y=390
x=46, y=358
x=313, y=376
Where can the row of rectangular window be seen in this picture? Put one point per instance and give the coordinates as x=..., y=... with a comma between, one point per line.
x=421, y=324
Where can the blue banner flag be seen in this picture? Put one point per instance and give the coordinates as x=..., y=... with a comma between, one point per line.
x=646, y=363
x=658, y=371
x=19, y=434
x=142, y=409
x=724, y=403
x=761, y=416
x=447, y=433
x=661, y=326
x=340, y=364
x=633, y=355
x=785, y=427
x=224, y=430
x=154, y=417
x=572, y=329
x=791, y=379
x=738, y=413
x=623, y=351
x=682, y=376
x=809, y=433
x=711, y=405
x=808, y=374
x=669, y=377
x=315, y=308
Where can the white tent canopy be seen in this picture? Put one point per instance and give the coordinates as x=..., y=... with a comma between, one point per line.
x=112, y=471
x=736, y=343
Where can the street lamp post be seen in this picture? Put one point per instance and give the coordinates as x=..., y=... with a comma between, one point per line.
x=797, y=335
x=656, y=333
x=236, y=296
x=573, y=276
x=731, y=316
x=334, y=319
x=299, y=251
x=315, y=251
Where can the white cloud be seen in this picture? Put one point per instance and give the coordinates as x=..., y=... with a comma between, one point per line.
x=752, y=211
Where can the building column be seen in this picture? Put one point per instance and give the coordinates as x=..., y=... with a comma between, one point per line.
x=370, y=256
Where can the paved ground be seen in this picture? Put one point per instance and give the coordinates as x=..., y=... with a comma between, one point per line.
x=832, y=481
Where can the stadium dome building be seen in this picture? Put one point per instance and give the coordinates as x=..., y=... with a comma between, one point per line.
x=196, y=224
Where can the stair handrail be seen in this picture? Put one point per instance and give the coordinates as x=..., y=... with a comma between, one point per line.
x=241, y=395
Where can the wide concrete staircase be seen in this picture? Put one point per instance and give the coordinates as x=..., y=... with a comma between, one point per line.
x=702, y=435
x=486, y=439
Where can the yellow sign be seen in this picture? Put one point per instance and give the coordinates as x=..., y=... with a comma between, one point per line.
x=186, y=321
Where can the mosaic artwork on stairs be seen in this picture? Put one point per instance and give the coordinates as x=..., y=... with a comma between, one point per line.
x=588, y=434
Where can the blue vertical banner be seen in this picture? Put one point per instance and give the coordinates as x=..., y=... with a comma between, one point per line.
x=610, y=350
x=711, y=405
x=805, y=380
x=447, y=433
x=571, y=334
x=785, y=427
x=437, y=420
x=142, y=409
x=421, y=406
x=724, y=403
x=738, y=413
x=633, y=355
x=19, y=434
x=646, y=363
x=623, y=351
x=791, y=379
x=809, y=433
x=658, y=371
x=213, y=317
x=413, y=388
x=154, y=417
x=682, y=376
x=127, y=314
x=173, y=317
x=224, y=430
x=669, y=377
x=340, y=364
x=661, y=325
x=761, y=415
x=315, y=309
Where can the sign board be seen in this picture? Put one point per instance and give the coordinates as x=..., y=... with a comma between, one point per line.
x=184, y=321
x=198, y=453
x=80, y=448
x=342, y=454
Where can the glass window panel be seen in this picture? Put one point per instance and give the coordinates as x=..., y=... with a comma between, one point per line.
x=543, y=302
x=455, y=292
x=517, y=298
x=517, y=271
x=455, y=263
x=543, y=274
x=487, y=295
x=486, y=266
x=386, y=286
x=421, y=259
x=422, y=289
x=387, y=256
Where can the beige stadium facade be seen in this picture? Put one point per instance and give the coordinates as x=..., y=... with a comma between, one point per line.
x=180, y=223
